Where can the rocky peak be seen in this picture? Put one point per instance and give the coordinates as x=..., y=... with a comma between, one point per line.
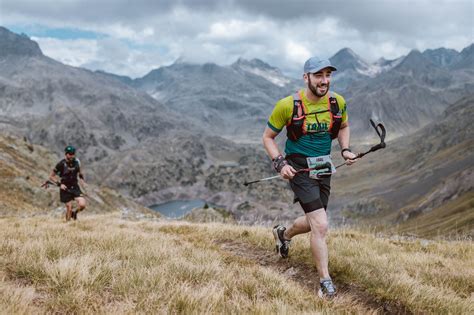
x=18, y=45
x=415, y=60
x=466, y=59
x=254, y=63
x=382, y=61
x=469, y=50
x=441, y=56
x=262, y=69
x=346, y=59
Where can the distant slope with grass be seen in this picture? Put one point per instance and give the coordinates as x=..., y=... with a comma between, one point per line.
x=24, y=167
x=423, y=183
x=104, y=264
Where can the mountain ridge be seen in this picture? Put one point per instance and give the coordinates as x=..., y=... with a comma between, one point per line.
x=199, y=135
x=18, y=45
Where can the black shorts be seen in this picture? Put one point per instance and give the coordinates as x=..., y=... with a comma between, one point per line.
x=70, y=194
x=312, y=194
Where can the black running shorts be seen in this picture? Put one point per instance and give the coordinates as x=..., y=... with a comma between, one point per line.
x=70, y=194
x=312, y=194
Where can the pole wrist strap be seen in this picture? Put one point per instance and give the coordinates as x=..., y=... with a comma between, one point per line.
x=279, y=162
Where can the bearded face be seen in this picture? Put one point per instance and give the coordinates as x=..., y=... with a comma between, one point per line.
x=70, y=157
x=319, y=82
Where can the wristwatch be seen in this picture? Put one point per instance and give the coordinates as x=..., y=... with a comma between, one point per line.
x=344, y=150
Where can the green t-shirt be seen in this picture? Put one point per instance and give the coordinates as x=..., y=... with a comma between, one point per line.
x=317, y=140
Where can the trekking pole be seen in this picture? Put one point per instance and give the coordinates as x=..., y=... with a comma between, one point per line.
x=380, y=129
x=261, y=180
x=47, y=183
x=319, y=167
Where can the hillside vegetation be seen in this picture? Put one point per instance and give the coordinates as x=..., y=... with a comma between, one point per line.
x=422, y=184
x=24, y=167
x=104, y=264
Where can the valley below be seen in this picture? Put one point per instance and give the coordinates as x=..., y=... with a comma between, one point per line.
x=185, y=132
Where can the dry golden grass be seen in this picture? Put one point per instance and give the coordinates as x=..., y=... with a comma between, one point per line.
x=454, y=219
x=423, y=276
x=23, y=168
x=103, y=264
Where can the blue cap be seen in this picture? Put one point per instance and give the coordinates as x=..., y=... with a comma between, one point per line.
x=314, y=64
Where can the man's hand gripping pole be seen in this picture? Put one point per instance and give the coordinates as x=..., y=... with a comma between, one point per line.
x=380, y=129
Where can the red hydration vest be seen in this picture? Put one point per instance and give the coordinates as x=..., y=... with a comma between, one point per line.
x=297, y=126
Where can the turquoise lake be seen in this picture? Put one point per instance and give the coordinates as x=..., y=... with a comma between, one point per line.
x=178, y=208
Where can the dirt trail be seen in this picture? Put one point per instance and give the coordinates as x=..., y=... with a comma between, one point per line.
x=308, y=276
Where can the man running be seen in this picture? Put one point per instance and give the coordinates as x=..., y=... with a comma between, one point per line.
x=313, y=118
x=68, y=169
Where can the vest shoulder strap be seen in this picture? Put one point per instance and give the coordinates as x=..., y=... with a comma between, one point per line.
x=297, y=125
x=333, y=105
x=336, y=116
x=77, y=164
x=298, y=108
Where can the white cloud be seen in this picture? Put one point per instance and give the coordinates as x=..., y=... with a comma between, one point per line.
x=108, y=54
x=72, y=52
x=149, y=34
x=235, y=30
x=295, y=52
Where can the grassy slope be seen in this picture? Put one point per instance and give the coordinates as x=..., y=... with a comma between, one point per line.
x=455, y=218
x=403, y=178
x=105, y=264
x=24, y=167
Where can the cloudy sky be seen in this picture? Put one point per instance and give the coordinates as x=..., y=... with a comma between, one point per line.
x=131, y=37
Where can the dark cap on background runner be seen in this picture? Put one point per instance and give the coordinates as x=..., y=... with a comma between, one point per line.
x=70, y=149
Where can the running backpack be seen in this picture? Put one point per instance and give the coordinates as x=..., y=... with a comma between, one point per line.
x=68, y=173
x=297, y=125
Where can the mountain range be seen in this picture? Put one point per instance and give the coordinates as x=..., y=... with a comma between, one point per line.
x=405, y=93
x=193, y=131
x=232, y=101
x=54, y=104
x=126, y=139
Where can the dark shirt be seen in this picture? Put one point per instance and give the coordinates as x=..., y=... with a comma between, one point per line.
x=68, y=171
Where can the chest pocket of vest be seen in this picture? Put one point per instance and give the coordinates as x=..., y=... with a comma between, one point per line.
x=336, y=117
x=69, y=173
x=297, y=126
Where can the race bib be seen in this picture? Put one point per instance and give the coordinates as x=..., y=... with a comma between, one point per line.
x=322, y=166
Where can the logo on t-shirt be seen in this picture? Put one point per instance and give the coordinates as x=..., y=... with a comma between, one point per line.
x=317, y=127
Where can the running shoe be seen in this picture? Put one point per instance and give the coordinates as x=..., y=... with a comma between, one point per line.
x=327, y=289
x=282, y=245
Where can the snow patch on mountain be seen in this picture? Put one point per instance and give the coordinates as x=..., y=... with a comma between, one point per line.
x=376, y=68
x=157, y=95
x=272, y=76
x=262, y=69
